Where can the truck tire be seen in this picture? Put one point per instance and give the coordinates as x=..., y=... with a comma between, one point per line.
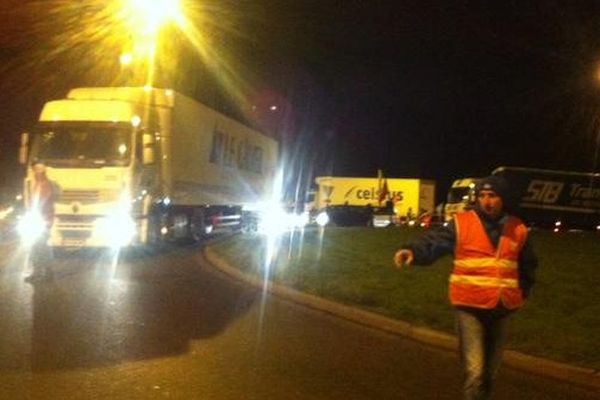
x=155, y=240
x=197, y=226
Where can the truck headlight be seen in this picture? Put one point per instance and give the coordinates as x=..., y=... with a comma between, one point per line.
x=300, y=220
x=31, y=226
x=272, y=221
x=117, y=228
x=322, y=219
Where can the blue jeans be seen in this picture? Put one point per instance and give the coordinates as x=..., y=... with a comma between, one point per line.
x=481, y=336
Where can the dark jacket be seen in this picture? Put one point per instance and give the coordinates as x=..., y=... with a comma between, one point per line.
x=439, y=242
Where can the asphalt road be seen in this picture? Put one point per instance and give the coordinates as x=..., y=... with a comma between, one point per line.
x=167, y=325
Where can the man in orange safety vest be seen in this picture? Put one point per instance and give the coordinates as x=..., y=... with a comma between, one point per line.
x=493, y=274
x=43, y=194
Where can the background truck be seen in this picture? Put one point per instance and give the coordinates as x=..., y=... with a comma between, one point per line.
x=461, y=197
x=140, y=165
x=410, y=197
x=549, y=198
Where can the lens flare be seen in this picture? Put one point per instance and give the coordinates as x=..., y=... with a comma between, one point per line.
x=31, y=226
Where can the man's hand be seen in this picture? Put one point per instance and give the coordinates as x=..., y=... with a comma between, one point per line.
x=403, y=257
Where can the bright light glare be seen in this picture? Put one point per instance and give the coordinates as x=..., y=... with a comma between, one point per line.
x=145, y=19
x=109, y=37
x=118, y=231
x=31, y=226
x=143, y=22
x=299, y=220
x=275, y=220
x=272, y=222
x=126, y=59
x=117, y=228
x=148, y=16
x=271, y=215
x=322, y=219
x=6, y=212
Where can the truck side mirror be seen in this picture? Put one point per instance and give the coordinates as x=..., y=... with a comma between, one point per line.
x=148, y=148
x=24, y=148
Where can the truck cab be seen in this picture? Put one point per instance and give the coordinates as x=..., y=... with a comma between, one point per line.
x=461, y=197
x=101, y=155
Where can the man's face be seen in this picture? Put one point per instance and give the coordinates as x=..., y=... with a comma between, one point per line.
x=39, y=171
x=490, y=203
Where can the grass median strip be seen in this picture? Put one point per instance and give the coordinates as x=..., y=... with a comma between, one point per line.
x=354, y=266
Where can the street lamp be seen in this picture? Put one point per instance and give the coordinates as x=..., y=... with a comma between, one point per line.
x=149, y=16
x=144, y=20
x=126, y=59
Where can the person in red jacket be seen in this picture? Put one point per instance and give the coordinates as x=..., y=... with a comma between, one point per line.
x=493, y=274
x=43, y=195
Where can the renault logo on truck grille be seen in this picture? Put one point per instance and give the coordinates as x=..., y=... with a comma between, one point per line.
x=75, y=208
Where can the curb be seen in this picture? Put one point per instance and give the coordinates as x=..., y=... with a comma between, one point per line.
x=585, y=377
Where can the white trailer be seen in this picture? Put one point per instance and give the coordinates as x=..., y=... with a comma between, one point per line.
x=138, y=165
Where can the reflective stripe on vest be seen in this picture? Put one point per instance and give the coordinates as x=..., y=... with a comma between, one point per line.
x=484, y=275
x=484, y=281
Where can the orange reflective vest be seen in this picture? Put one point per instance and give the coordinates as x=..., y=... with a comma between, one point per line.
x=484, y=275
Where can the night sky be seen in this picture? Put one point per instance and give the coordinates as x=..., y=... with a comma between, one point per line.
x=431, y=89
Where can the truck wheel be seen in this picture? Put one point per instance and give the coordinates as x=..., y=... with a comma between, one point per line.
x=197, y=226
x=156, y=241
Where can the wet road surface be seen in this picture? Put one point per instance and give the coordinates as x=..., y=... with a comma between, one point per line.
x=167, y=326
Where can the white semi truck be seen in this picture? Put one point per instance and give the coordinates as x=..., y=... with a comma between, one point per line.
x=140, y=165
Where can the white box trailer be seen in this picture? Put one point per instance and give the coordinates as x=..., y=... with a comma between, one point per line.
x=137, y=165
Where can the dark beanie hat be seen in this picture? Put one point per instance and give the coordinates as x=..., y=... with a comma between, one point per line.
x=496, y=184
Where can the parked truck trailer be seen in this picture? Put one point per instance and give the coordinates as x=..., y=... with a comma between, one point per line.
x=139, y=165
x=408, y=197
x=541, y=197
x=550, y=198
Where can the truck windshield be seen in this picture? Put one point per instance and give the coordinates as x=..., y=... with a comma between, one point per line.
x=458, y=195
x=83, y=144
